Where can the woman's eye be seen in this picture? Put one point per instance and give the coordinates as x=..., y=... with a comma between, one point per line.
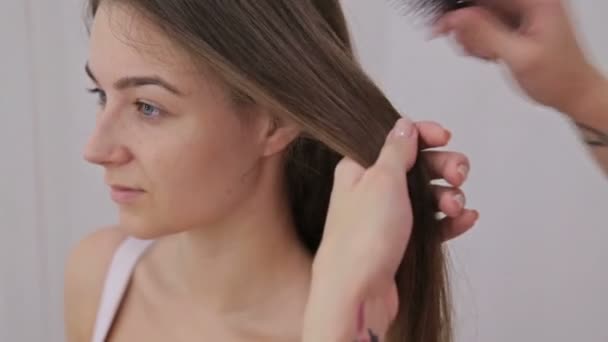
x=102, y=98
x=148, y=110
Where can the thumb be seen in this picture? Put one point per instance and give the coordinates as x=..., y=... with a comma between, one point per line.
x=400, y=149
x=482, y=34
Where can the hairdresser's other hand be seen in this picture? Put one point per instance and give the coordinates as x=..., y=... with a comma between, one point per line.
x=542, y=53
x=367, y=230
x=453, y=167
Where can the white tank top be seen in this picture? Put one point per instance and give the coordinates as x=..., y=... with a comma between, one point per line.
x=116, y=282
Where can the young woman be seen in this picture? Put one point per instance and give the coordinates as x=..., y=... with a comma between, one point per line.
x=220, y=126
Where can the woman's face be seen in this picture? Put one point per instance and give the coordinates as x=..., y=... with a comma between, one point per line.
x=176, y=152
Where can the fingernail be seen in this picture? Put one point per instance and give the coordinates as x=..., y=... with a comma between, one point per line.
x=449, y=135
x=403, y=128
x=476, y=213
x=460, y=200
x=463, y=171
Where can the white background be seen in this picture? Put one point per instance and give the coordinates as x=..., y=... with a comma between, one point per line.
x=532, y=270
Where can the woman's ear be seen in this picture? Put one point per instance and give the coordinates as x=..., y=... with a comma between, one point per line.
x=279, y=134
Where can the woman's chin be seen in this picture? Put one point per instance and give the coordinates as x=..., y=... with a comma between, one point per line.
x=143, y=228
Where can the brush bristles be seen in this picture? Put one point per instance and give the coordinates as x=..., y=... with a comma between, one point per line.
x=429, y=8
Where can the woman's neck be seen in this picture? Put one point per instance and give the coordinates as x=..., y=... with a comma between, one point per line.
x=242, y=266
x=249, y=264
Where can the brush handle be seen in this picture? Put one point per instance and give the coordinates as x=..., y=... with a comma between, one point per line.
x=458, y=4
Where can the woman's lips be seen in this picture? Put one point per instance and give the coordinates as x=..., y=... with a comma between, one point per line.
x=125, y=195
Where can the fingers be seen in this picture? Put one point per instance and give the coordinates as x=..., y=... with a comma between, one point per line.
x=454, y=167
x=455, y=227
x=398, y=153
x=401, y=148
x=451, y=200
x=432, y=134
x=481, y=33
x=452, y=203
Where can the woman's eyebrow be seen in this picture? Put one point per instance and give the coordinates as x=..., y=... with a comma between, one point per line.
x=138, y=81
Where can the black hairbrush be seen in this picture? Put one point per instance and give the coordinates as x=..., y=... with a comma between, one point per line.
x=436, y=8
x=433, y=8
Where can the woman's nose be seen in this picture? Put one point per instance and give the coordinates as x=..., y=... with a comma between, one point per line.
x=105, y=146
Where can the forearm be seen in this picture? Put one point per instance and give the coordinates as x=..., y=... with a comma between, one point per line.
x=331, y=314
x=336, y=313
x=591, y=116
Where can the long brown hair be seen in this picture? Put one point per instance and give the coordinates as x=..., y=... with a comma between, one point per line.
x=295, y=57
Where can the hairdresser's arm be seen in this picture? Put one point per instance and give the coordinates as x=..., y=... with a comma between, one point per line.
x=368, y=227
x=591, y=116
x=543, y=56
x=332, y=312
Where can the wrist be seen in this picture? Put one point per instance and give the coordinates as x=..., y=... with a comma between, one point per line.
x=590, y=101
x=331, y=316
x=332, y=309
x=334, y=287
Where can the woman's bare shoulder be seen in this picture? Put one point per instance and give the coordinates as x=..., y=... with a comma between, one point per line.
x=85, y=274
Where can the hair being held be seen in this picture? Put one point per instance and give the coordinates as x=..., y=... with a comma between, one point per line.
x=295, y=59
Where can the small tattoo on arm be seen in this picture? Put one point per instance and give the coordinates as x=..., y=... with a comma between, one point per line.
x=371, y=338
x=593, y=136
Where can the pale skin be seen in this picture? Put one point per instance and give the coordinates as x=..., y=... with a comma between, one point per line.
x=361, y=274
x=226, y=264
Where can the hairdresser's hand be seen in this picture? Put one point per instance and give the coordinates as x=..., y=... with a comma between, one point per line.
x=368, y=227
x=353, y=276
x=542, y=53
x=453, y=167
